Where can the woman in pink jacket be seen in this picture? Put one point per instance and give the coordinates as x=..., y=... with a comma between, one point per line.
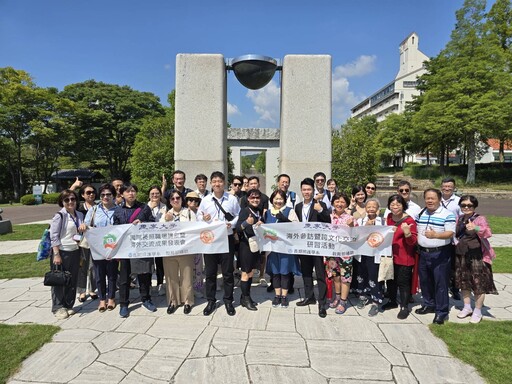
x=473, y=258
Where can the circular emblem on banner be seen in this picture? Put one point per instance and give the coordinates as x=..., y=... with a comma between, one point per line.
x=207, y=237
x=109, y=241
x=375, y=239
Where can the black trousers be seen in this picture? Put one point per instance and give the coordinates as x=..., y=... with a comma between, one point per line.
x=64, y=297
x=106, y=270
x=401, y=282
x=159, y=264
x=211, y=262
x=144, y=279
x=307, y=263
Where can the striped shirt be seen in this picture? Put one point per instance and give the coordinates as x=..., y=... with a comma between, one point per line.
x=441, y=220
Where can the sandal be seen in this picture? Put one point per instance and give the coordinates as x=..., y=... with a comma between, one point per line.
x=341, y=308
x=334, y=303
x=102, y=308
x=111, y=304
x=93, y=296
x=82, y=297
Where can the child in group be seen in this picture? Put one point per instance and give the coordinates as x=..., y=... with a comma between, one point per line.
x=368, y=288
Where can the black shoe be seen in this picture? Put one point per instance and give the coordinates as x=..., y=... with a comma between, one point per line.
x=403, y=314
x=230, y=309
x=423, y=310
x=439, y=319
x=270, y=288
x=209, y=308
x=321, y=311
x=246, y=302
x=250, y=298
x=308, y=301
x=390, y=305
x=187, y=308
x=455, y=294
x=291, y=291
x=171, y=309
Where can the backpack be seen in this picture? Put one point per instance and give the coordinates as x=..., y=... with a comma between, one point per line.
x=44, y=249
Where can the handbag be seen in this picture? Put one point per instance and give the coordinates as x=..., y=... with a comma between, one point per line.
x=57, y=277
x=83, y=242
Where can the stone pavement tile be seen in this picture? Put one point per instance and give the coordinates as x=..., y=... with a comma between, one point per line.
x=414, y=338
x=283, y=348
x=123, y=358
x=99, y=373
x=142, y=342
x=159, y=367
x=11, y=293
x=137, y=378
x=403, y=375
x=203, y=342
x=229, y=341
x=281, y=319
x=218, y=369
x=24, y=283
x=360, y=360
x=109, y=341
x=503, y=300
x=10, y=309
x=175, y=327
x=171, y=348
x=497, y=314
x=335, y=328
x=284, y=375
x=76, y=335
x=502, y=278
x=34, y=295
x=136, y=324
x=388, y=316
x=57, y=362
x=104, y=322
x=244, y=319
x=390, y=353
x=34, y=315
x=349, y=381
x=437, y=369
x=12, y=247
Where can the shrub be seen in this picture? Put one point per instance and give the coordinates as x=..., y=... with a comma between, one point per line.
x=51, y=198
x=28, y=200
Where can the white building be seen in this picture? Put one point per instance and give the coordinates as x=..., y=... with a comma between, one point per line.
x=393, y=96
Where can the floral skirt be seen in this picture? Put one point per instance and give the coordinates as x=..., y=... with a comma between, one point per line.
x=367, y=276
x=474, y=274
x=339, y=266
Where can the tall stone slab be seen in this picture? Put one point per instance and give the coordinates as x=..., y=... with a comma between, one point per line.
x=201, y=108
x=305, y=117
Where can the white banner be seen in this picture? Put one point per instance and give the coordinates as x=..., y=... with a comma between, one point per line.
x=322, y=239
x=131, y=241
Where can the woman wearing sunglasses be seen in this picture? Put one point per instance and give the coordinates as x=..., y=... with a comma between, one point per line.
x=65, y=234
x=473, y=258
x=102, y=215
x=86, y=276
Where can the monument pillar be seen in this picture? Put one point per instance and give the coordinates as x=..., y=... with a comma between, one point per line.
x=200, y=144
x=306, y=109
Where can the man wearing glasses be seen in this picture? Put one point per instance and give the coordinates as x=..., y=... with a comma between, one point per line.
x=322, y=193
x=236, y=187
x=404, y=189
x=201, y=181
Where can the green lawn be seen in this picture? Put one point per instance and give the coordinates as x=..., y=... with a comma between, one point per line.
x=17, y=342
x=500, y=224
x=503, y=261
x=25, y=232
x=485, y=346
x=22, y=265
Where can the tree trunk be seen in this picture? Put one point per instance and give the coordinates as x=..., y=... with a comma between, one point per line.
x=442, y=167
x=470, y=179
x=502, y=151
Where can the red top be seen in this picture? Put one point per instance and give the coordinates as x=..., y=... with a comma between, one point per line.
x=404, y=248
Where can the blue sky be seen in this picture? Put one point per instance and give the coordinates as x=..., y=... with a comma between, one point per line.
x=135, y=43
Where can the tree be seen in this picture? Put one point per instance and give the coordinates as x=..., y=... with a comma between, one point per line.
x=246, y=164
x=354, y=158
x=261, y=162
x=109, y=118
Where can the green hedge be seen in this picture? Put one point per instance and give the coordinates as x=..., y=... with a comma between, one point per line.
x=486, y=173
x=51, y=198
x=28, y=200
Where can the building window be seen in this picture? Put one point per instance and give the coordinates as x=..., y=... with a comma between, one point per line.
x=410, y=84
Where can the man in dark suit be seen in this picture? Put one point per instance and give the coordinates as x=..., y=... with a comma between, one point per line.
x=311, y=210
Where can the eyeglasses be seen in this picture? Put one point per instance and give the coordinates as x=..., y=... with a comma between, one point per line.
x=371, y=188
x=90, y=192
x=69, y=199
x=404, y=190
x=320, y=180
x=466, y=206
x=237, y=184
x=105, y=195
x=175, y=198
x=193, y=200
x=254, y=197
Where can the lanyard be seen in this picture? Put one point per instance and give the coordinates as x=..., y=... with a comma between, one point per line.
x=217, y=207
x=304, y=214
x=109, y=217
x=255, y=214
x=74, y=221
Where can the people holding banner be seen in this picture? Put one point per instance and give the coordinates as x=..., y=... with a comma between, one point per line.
x=65, y=229
x=367, y=287
x=281, y=266
x=405, y=239
x=219, y=206
x=179, y=270
x=134, y=212
x=102, y=215
x=339, y=269
x=158, y=209
x=248, y=253
x=311, y=210
x=193, y=200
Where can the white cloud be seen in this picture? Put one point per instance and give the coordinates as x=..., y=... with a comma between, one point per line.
x=167, y=67
x=342, y=97
x=233, y=110
x=266, y=103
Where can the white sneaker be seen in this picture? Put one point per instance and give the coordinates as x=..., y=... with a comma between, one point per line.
x=256, y=274
x=61, y=313
x=263, y=283
x=70, y=312
x=465, y=312
x=475, y=318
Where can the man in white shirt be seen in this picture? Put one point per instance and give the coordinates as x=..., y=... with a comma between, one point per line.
x=219, y=206
x=404, y=189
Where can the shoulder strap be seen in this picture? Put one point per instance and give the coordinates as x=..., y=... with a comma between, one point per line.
x=218, y=205
x=422, y=212
x=94, y=209
x=401, y=220
x=134, y=215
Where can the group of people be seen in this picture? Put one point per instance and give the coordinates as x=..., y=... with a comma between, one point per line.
x=444, y=246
